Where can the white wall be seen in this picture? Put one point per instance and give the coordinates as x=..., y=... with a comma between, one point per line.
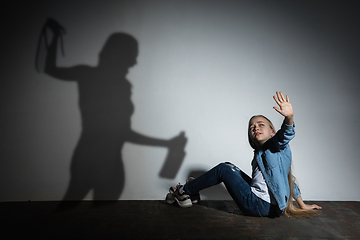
x=204, y=67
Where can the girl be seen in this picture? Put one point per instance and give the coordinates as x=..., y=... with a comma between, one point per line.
x=270, y=190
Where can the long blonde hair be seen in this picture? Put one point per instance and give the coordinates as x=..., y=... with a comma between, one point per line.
x=291, y=209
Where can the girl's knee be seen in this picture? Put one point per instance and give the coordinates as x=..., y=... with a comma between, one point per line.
x=223, y=165
x=227, y=172
x=227, y=166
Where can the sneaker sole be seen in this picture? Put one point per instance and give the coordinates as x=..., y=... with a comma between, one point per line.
x=195, y=202
x=184, y=204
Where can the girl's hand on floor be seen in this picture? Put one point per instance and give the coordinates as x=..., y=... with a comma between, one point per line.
x=311, y=206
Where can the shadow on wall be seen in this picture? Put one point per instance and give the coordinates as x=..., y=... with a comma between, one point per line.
x=106, y=108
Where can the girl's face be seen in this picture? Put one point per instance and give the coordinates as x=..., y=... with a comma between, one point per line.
x=260, y=131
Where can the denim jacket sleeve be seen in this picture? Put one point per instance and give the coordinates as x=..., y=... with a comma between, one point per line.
x=296, y=191
x=282, y=137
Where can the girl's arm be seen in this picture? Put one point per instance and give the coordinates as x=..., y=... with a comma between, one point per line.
x=285, y=109
x=287, y=131
x=302, y=205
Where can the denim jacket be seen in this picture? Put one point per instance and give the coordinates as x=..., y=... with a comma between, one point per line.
x=274, y=159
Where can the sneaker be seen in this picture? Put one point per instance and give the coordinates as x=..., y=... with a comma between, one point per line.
x=195, y=198
x=183, y=200
x=170, y=198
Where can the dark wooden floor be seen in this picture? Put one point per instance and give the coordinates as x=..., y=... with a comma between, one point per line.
x=158, y=220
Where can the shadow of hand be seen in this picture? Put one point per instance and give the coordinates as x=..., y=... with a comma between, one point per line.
x=175, y=156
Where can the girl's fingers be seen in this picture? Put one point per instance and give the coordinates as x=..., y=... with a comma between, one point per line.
x=278, y=110
x=315, y=206
x=278, y=96
x=282, y=97
x=276, y=100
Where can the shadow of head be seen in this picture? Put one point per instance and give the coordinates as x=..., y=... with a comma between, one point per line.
x=119, y=51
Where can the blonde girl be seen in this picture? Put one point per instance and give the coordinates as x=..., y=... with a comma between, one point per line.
x=271, y=189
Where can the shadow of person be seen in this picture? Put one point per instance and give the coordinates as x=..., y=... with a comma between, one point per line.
x=106, y=109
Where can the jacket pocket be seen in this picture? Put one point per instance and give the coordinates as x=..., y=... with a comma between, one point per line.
x=269, y=163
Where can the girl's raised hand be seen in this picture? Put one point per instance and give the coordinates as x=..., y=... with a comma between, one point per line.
x=285, y=108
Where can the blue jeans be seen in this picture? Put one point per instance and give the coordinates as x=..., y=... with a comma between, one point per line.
x=238, y=185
